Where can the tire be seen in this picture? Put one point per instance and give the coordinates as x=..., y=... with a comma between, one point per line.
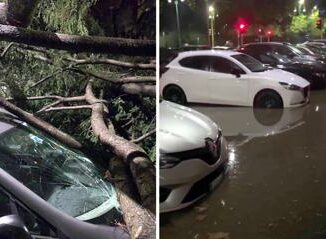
x=268, y=99
x=175, y=94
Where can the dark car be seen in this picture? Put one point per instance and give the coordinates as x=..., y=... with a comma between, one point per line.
x=48, y=190
x=275, y=55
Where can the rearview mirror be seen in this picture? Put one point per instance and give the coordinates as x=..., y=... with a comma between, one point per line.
x=236, y=72
x=12, y=226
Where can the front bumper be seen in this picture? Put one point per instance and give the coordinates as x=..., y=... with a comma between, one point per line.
x=298, y=98
x=190, y=180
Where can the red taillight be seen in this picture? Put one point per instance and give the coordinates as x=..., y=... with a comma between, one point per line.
x=163, y=69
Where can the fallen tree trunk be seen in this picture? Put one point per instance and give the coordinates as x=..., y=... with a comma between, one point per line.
x=135, y=216
x=74, y=43
x=141, y=167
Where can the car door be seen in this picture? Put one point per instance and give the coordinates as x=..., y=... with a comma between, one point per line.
x=194, y=78
x=224, y=86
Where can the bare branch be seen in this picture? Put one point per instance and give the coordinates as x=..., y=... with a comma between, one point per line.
x=76, y=107
x=29, y=118
x=112, y=62
x=49, y=77
x=139, y=89
x=140, y=139
x=6, y=49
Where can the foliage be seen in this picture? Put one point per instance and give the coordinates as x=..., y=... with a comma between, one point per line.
x=21, y=69
x=306, y=24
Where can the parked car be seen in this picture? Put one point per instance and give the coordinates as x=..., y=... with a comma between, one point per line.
x=193, y=156
x=230, y=78
x=313, y=71
x=48, y=190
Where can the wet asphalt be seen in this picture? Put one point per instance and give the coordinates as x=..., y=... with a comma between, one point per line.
x=276, y=187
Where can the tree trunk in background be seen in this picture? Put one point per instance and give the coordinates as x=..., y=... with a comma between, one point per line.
x=17, y=12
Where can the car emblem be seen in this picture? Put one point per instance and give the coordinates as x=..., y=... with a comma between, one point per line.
x=212, y=147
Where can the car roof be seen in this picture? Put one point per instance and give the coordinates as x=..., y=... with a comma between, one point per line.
x=223, y=53
x=267, y=43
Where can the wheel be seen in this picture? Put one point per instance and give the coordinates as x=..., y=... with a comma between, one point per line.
x=268, y=99
x=175, y=94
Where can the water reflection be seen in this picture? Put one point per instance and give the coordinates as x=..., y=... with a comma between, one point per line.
x=242, y=124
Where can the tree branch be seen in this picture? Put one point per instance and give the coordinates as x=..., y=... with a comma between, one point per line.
x=48, y=128
x=140, y=139
x=61, y=108
x=112, y=62
x=74, y=43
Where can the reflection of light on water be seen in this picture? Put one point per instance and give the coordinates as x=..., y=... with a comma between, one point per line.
x=232, y=158
x=317, y=108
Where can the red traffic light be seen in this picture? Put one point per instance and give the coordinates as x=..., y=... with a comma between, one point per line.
x=319, y=23
x=242, y=27
x=269, y=33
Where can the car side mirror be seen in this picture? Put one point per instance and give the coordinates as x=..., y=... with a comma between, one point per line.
x=11, y=226
x=236, y=72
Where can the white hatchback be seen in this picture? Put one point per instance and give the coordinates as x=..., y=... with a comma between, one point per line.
x=230, y=78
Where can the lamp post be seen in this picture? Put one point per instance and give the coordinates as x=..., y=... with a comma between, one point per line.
x=211, y=16
x=176, y=3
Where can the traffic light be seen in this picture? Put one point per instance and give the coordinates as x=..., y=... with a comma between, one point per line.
x=242, y=27
x=319, y=24
x=269, y=33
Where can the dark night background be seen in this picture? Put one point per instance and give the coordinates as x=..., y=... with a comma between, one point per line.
x=194, y=20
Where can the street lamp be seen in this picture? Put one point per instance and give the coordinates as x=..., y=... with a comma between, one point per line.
x=176, y=3
x=211, y=16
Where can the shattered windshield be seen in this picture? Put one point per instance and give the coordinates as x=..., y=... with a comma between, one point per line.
x=66, y=179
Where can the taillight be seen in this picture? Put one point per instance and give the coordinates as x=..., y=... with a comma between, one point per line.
x=163, y=69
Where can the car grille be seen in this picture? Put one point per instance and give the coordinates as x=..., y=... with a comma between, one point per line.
x=202, y=187
x=209, y=154
x=164, y=194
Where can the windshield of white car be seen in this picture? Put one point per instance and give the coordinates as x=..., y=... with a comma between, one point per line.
x=63, y=177
x=251, y=63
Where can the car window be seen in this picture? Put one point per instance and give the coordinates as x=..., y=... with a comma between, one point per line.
x=222, y=65
x=63, y=177
x=196, y=62
x=251, y=63
x=282, y=50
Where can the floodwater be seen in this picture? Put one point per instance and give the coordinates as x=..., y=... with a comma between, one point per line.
x=276, y=187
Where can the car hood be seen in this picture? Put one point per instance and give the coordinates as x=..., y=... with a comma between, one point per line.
x=309, y=66
x=183, y=129
x=284, y=76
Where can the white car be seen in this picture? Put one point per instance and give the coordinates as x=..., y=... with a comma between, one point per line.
x=193, y=156
x=230, y=78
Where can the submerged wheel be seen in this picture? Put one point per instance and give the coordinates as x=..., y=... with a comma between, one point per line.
x=268, y=99
x=175, y=94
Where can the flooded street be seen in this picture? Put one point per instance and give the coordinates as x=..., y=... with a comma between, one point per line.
x=276, y=187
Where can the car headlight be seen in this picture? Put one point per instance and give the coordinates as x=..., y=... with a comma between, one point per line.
x=320, y=75
x=167, y=161
x=290, y=86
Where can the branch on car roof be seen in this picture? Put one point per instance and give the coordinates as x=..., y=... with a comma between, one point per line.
x=48, y=128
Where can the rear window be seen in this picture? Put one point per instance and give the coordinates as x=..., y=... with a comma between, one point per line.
x=196, y=62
